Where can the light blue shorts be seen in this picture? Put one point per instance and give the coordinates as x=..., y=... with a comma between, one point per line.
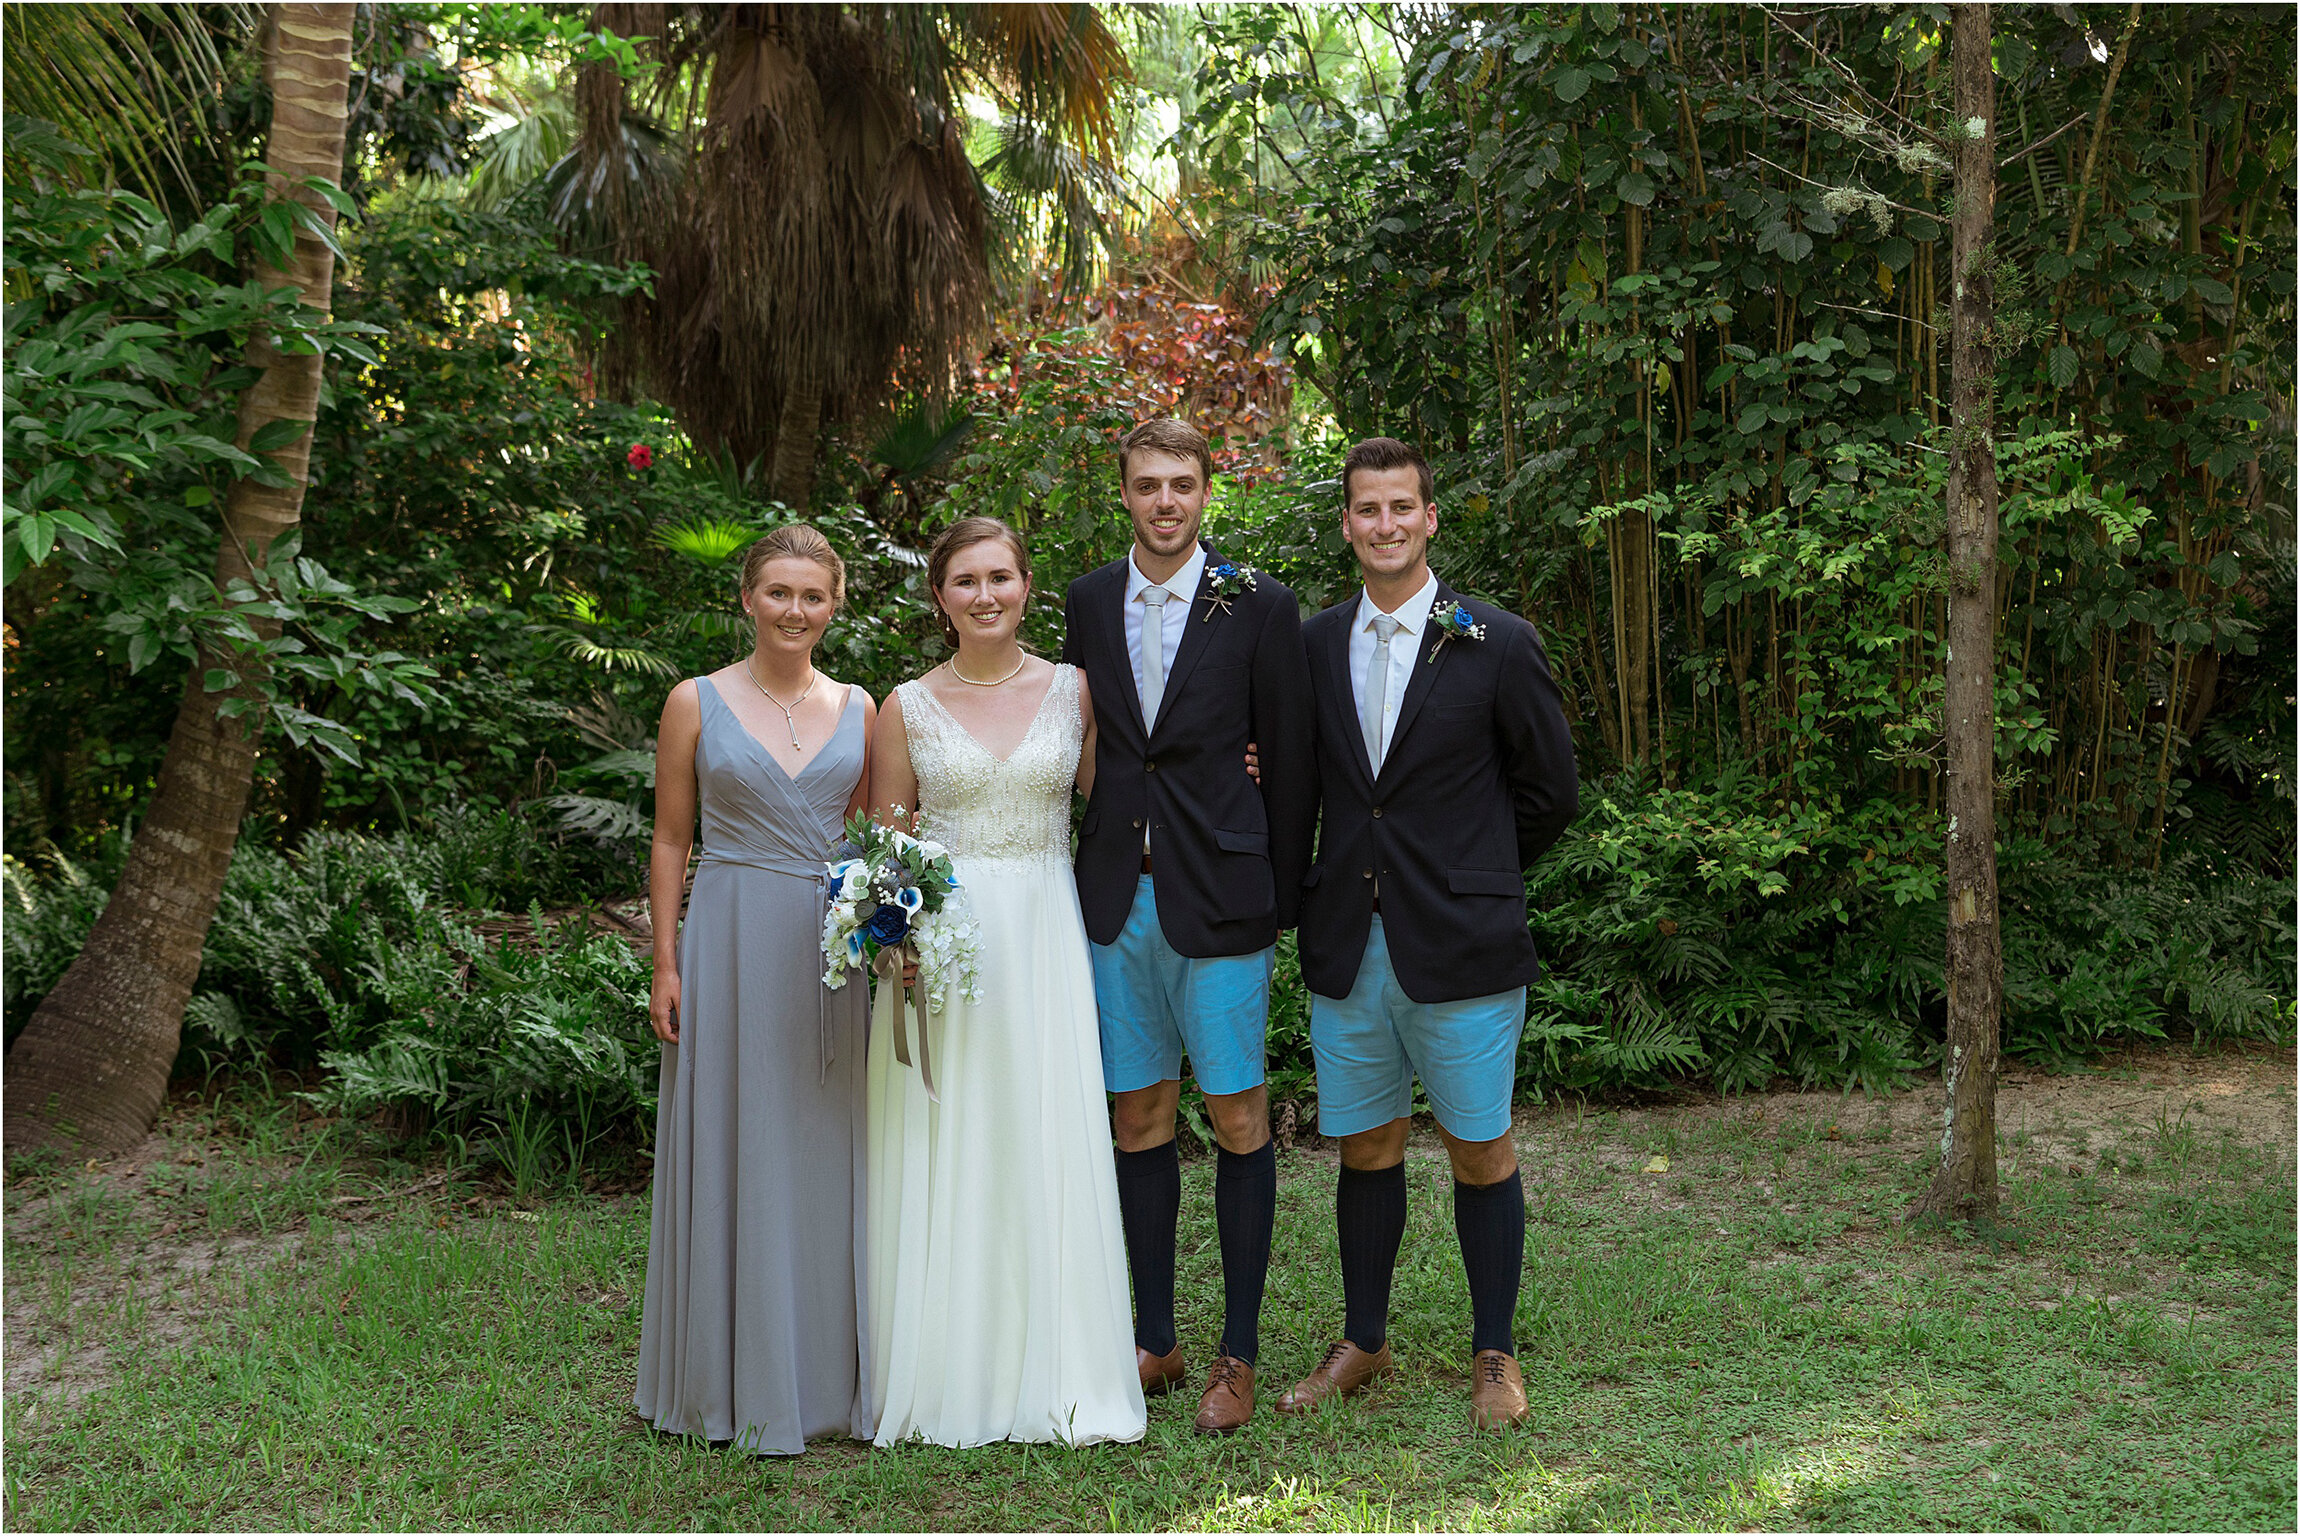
x=1369, y=1045
x=1155, y=1004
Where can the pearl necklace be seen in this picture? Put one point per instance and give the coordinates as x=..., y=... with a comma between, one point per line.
x=979, y=683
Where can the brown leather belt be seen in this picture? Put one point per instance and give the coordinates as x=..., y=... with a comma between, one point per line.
x=1145, y=863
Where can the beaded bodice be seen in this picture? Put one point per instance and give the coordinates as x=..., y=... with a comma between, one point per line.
x=982, y=808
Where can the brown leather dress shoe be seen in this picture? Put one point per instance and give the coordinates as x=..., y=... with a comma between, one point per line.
x=1496, y=1391
x=1160, y=1373
x=1228, y=1401
x=1346, y=1371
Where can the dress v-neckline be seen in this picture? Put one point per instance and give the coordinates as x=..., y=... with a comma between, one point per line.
x=768, y=753
x=1020, y=741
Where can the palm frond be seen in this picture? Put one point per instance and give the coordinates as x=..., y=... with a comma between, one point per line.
x=710, y=623
x=632, y=764
x=707, y=540
x=1038, y=170
x=607, y=725
x=609, y=657
x=522, y=152
x=828, y=243
x=1058, y=64
x=94, y=71
x=921, y=439
x=595, y=816
x=593, y=195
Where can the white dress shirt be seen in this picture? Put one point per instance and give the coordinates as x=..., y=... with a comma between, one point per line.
x=1184, y=585
x=1413, y=616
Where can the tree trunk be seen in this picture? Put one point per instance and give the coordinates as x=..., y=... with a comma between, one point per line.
x=92, y=1064
x=1633, y=545
x=1964, y=1186
x=794, y=460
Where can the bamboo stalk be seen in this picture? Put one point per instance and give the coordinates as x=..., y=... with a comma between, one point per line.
x=2099, y=128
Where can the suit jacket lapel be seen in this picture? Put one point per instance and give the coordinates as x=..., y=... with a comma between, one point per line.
x=1429, y=656
x=1346, y=693
x=1198, y=621
x=1110, y=614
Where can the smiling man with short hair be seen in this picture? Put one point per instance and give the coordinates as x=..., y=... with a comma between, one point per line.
x=1445, y=768
x=1188, y=869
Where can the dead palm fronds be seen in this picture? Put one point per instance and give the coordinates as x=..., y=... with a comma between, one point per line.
x=827, y=242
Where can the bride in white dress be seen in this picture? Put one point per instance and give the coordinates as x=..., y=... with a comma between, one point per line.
x=998, y=1293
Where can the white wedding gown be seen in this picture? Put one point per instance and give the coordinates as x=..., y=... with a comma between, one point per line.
x=999, y=1307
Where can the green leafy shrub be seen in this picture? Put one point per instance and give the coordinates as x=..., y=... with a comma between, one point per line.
x=365, y=956
x=2094, y=953
x=1708, y=930
x=48, y=915
x=548, y=1044
x=1704, y=932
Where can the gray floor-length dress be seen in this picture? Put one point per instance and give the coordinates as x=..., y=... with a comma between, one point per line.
x=751, y=1328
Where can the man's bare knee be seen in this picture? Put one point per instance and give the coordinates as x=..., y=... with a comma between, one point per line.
x=1142, y=1118
x=1241, y=1120
x=1481, y=1162
x=1371, y=1151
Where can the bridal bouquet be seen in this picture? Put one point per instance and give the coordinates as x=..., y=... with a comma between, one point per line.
x=899, y=894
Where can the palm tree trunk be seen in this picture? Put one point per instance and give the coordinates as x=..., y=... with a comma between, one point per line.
x=794, y=460
x=92, y=1064
x=1964, y=1185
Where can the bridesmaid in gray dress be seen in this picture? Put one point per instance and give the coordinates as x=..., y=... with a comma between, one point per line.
x=752, y=1328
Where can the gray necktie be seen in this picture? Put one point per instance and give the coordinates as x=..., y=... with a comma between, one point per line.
x=1153, y=653
x=1374, y=697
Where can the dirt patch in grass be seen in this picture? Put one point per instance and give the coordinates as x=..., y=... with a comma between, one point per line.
x=130, y=1253
x=2168, y=1102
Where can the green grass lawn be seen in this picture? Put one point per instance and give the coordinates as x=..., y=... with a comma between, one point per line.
x=217, y=1336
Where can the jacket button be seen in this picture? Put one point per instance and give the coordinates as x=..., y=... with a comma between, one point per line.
x=1377, y=813
x=1137, y=823
x=1149, y=767
x=1365, y=874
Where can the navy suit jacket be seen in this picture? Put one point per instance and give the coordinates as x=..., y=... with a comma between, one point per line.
x=1227, y=856
x=1479, y=780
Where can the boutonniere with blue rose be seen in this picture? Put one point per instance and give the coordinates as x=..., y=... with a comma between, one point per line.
x=1223, y=583
x=1451, y=621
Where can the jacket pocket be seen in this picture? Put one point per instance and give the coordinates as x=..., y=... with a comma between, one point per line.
x=1485, y=882
x=1312, y=878
x=1242, y=842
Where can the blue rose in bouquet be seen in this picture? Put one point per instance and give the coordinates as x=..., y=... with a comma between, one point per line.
x=890, y=924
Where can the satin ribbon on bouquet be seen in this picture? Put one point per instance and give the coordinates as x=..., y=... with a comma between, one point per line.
x=888, y=965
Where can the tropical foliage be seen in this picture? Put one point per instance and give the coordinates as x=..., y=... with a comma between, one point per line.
x=1660, y=289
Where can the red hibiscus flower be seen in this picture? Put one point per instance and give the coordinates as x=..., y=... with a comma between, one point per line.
x=640, y=457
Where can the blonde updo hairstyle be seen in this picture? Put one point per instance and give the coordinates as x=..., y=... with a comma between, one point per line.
x=965, y=534
x=796, y=541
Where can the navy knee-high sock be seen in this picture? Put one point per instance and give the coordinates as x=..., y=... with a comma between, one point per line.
x=1489, y=1220
x=1370, y=1220
x=1149, y=1205
x=1245, y=1213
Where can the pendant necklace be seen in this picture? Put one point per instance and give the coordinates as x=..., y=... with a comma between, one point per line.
x=978, y=682
x=813, y=677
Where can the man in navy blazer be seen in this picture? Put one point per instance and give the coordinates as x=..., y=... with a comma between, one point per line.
x=1187, y=870
x=1445, y=767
